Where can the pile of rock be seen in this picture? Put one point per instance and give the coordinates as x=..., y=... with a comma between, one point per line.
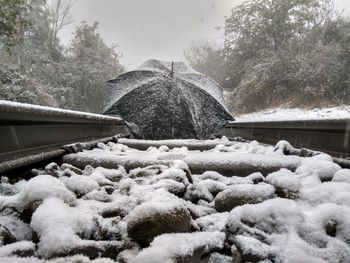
x=162, y=213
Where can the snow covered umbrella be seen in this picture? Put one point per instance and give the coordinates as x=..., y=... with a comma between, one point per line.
x=168, y=100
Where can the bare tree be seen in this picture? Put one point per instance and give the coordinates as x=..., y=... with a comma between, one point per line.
x=208, y=58
x=59, y=16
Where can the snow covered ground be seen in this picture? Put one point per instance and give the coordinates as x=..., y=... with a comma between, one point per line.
x=163, y=213
x=297, y=114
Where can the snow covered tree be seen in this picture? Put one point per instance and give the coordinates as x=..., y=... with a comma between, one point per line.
x=90, y=64
x=14, y=20
x=25, y=53
x=208, y=58
x=284, y=52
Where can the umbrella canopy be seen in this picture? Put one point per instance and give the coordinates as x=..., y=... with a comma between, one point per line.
x=167, y=101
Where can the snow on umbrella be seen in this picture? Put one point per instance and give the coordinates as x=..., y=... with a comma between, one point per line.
x=168, y=100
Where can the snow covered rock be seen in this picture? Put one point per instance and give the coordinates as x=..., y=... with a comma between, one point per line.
x=171, y=186
x=57, y=226
x=320, y=165
x=243, y=194
x=287, y=184
x=81, y=184
x=147, y=171
x=18, y=249
x=65, y=231
x=6, y=188
x=197, y=210
x=283, y=230
x=327, y=192
x=114, y=175
x=187, y=247
x=256, y=177
x=217, y=258
x=158, y=216
x=5, y=236
x=17, y=228
x=214, y=187
x=98, y=195
x=197, y=192
x=100, y=179
x=213, y=222
x=38, y=189
x=222, y=219
x=177, y=174
x=283, y=147
x=252, y=249
x=342, y=175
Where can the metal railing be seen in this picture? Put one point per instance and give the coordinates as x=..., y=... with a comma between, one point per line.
x=27, y=130
x=330, y=135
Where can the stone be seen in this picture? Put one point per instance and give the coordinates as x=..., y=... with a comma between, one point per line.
x=256, y=177
x=95, y=249
x=181, y=248
x=156, y=217
x=217, y=258
x=109, y=212
x=331, y=228
x=196, y=192
x=252, y=250
x=236, y=255
x=243, y=194
x=5, y=236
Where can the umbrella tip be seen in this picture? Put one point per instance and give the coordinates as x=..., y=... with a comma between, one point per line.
x=172, y=69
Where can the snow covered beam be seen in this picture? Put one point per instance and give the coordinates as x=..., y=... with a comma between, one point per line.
x=225, y=163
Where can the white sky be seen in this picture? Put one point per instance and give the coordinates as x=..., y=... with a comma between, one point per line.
x=145, y=29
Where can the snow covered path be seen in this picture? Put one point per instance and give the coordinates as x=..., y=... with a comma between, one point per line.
x=161, y=212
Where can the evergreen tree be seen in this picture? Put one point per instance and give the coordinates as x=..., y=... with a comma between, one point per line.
x=90, y=64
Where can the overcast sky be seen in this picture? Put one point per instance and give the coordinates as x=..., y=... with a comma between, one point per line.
x=145, y=29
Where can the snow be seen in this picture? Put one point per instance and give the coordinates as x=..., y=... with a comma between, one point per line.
x=57, y=226
x=334, y=192
x=215, y=176
x=342, y=175
x=100, y=179
x=19, y=229
x=257, y=192
x=324, y=169
x=81, y=184
x=11, y=249
x=249, y=245
x=20, y=260
x=280, y=114
x=36, y=190
x=283, y=228
x=284, y=179
x=173, y=247
x=283, y=146
x=86, y=214
x=161, y=203
x=176, y=174
x=213, y=222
